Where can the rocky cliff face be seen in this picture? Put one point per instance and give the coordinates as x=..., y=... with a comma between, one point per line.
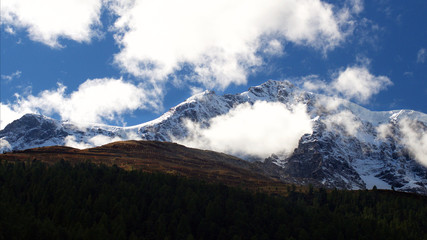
x=350, y=147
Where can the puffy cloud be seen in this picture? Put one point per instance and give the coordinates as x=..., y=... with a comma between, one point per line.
x=359, y=84
x=274, y=47
x=48, y=20
x=93, y=102
x=212, y=43
x=255, y=130
x=218, y=40
x=8, y=114
x=415, y=139
x=421, y=55
x=355, y=82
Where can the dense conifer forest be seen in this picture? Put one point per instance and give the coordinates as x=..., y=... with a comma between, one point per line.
x=87, y=201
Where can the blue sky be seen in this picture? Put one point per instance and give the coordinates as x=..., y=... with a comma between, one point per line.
x=127, y=62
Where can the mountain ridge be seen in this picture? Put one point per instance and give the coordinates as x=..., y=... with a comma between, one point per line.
x=346, y=148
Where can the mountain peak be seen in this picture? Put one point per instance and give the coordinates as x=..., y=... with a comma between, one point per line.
x=28, y=121
x=273, y=85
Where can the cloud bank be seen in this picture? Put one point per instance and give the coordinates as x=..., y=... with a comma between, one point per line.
x=219, y=40
x=93, y=102
x=48, y=20
x=201, y=43
x=256, y=130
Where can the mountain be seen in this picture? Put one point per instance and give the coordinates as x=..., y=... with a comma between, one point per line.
x=350, y=147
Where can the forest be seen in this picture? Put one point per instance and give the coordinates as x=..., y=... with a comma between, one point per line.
x=88, y=201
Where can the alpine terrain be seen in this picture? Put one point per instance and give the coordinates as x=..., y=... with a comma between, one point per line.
x=349, y=146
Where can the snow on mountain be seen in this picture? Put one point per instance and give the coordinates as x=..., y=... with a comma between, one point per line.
x=349, y=147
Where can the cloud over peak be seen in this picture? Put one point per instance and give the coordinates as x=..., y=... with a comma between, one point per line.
x=256, y=130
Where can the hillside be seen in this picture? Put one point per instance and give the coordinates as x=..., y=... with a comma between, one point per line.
x=152, y=156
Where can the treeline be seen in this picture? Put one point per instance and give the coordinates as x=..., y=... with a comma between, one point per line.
x=86, y=201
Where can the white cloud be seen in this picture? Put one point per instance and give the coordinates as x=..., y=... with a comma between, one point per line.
x=345, y=119
x=10, y=77
x=218, y=40
x=412, y=135
x=93, y=102
x=97, y=140
x=274, y=47
x=384, y=130
x=312, y=83
x=70, y=141
x=214, y=43
x=421, y=55
x=10, y=30
x=356, y=6
x=359, y=84
x=48, y=20
x=329, y=103
x=4, y=146
x=355, y=82
x=415, y=139
x=101, y=140
x=255, y=130
x=8, y=114
x=196, y=90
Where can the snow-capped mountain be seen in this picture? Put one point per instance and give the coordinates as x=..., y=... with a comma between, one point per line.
x=350, y=147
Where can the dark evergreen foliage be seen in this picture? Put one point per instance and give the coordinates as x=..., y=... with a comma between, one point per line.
x=86, y=201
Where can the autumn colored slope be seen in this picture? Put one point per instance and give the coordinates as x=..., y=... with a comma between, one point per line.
x=152, y=156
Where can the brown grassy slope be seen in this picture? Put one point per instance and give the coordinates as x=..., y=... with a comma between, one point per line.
x=164, y=157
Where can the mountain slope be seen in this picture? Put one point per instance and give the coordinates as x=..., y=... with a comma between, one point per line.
x=350, y=147
x=153, y=156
